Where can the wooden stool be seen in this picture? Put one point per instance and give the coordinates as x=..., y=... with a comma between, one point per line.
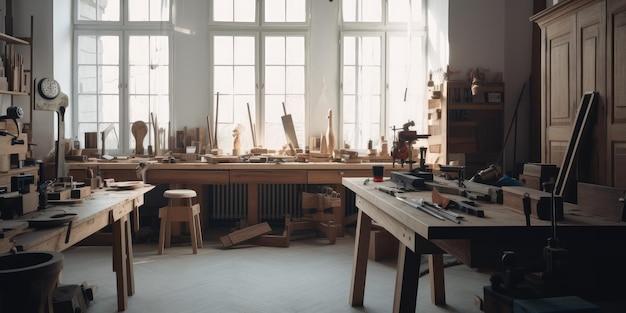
x=185, y=211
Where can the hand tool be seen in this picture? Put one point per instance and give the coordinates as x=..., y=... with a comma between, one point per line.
x=419, y=207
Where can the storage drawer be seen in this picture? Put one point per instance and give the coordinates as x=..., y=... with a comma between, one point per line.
x=187, y=177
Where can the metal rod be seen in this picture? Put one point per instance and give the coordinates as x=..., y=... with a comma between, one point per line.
x=421, y=208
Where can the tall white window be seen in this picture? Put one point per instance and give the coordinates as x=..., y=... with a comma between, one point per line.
x=383, y=69
x=121, y=75
x=258, y=64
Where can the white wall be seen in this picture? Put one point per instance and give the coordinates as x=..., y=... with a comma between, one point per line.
x=492, y=34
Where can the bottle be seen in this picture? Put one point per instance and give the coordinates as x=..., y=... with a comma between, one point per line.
x=76, y=143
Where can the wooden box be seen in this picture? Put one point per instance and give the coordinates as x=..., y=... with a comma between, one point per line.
x=64, y=194
x=81, y=192
x=540, y=202
x=383, y=245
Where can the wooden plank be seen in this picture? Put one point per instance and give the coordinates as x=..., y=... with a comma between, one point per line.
x=601, y=201
x=245, y=234
x=540, y=202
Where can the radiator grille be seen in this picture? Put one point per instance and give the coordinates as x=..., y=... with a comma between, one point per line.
x=275, y=200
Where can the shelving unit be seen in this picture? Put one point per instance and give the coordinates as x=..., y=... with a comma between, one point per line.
x=19, y=82
x=466, y=128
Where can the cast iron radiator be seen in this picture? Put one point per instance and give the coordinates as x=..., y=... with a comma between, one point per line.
x=275, y=200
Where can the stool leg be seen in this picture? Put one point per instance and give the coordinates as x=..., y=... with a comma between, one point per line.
x=192, y=231
x=168, y=234
x=163, y=215
x=198, y=229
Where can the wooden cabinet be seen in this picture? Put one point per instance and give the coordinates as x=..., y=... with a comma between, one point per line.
x=466, y=128
x=616, y=94
x=583, y=49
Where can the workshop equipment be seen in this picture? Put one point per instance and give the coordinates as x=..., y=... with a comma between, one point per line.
x=252, y=127
x=49, y=97
x=290, y=131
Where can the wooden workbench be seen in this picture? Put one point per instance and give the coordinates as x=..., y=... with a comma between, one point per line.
x=102, y=208
x=195, y=175
x=478, y=242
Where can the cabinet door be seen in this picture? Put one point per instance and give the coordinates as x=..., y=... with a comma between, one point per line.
x=617, y=96
x=559, y=63
x=591, y=76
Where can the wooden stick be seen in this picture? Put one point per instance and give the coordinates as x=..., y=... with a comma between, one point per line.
x=217, y=111
x=210, y=131
x=252, y=130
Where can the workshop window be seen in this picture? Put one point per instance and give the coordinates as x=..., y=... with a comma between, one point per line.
x=121, y=75
x=382, y=69
x=258, y=63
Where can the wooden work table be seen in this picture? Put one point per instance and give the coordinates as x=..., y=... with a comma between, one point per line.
x=195, y=175
x=477, y=242
x=102, y=208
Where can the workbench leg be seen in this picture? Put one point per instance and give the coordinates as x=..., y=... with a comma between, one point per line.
x=119, y=260
x=437, y=283
x=130, y=269
x=407, y=278
x=359, y=266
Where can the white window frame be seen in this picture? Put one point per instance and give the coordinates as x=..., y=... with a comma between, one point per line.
x=260, y=29
x=123, y=29
x=387, y=29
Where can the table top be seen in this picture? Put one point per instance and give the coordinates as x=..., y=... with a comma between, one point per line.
x=498, y=218
x=100, y=204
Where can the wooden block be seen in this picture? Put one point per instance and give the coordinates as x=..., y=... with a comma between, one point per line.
x=60, y=195
x=530, y=181
x=541, y=170
x=244, y=234
x=540, y=202
x=91, y=140
x=81, y=192
x=383, y=245
x=601, y=201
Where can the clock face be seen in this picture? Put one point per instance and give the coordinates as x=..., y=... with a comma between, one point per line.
x=49, y=88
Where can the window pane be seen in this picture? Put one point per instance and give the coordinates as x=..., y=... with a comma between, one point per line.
x=88, y=108
x=87, y=49
x=110, y=108
x=275, y=79
x=399, y=10
x=100, y=10
x=295, y=51
x=223, y=50
x=87, y=81
x=362, y=10
x=139, y=50
x=109, y=50
x=274, y=50
x=277, y=11
x=223, y=79
x=109, y=76
x=234, y=11
x=244, y=50
x=244, y=80
x=138, y=80
x=362, y=93
x=139, y=108
x=148, y=10
x=295, y=80
x=274, y=10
